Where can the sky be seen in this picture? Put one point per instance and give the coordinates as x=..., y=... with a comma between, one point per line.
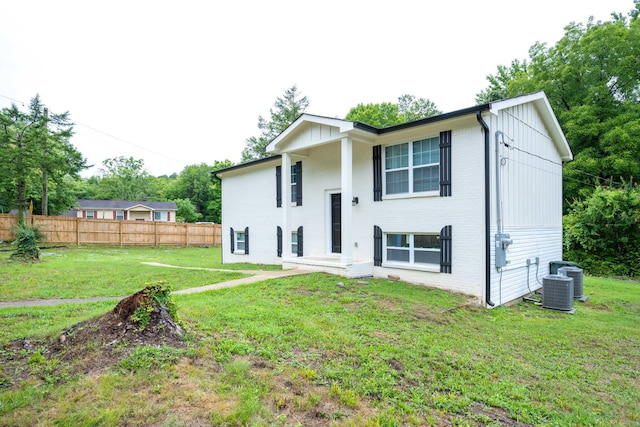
x=178, y=83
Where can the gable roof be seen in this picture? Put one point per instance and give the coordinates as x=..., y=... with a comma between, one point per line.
x=126, y=205
x=542, y=105
x=322, y=130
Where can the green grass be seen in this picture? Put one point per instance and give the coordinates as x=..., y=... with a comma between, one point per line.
x=300, y=351
x=38, y=322
x=78, y=272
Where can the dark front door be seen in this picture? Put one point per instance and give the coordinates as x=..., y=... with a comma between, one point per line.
x=336, y=223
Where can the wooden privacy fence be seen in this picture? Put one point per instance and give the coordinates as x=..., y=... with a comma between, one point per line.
x=79, y=231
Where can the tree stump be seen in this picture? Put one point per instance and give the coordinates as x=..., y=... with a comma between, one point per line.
x=150, y=309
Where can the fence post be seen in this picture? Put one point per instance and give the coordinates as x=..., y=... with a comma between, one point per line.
x=78, y=231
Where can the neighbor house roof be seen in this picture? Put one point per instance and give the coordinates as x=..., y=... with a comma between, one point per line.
x=126, y=205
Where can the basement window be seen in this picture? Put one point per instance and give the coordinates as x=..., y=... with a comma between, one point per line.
x=420, y=249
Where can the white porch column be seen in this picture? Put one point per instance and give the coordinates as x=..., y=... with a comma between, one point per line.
x=346, y=173
x=286, y=205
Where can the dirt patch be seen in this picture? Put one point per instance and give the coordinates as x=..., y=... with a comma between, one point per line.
x=90, y=346
x=496, y=414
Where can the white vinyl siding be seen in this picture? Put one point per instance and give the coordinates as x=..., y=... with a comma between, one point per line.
x=412, y=167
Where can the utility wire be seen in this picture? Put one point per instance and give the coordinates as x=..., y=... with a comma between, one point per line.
x=109, y=135
x=563, y=165
x=14, y=100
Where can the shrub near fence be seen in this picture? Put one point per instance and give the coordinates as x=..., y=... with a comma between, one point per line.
x=80, y=231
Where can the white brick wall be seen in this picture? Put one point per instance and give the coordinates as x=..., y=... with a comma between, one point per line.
x=531, y=192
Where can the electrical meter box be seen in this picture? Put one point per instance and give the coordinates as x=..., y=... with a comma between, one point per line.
x=503, y=241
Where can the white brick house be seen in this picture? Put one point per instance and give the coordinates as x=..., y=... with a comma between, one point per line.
x=417, y=200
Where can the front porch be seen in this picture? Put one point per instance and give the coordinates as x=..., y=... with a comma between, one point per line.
x=332, y=264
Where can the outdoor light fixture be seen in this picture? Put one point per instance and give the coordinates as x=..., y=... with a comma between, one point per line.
x=354, y=201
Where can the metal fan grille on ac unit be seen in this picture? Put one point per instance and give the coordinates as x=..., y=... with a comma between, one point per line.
x=557, y=292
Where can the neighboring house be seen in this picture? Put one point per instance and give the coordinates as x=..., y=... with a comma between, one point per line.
x=469, y=201
x=124, y=210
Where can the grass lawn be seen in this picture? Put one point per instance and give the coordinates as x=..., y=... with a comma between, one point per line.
x=78, y=272
x=303, y=351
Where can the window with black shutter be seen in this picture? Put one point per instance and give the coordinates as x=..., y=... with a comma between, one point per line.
x=296, y=184
x=299, y=235
x=377, y=246
x=445, y=163
x=278, y=186
x=445, y=249
x=377, y=173
x=279, y=239
x=297, y=196
x=246, y=241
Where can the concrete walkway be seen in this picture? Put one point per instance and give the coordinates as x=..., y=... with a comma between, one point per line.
x=256, y=276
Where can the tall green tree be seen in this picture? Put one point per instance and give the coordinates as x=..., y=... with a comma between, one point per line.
x=411, y=108
x=592, y=79
x=186, y=211
x=215, y=204
x=377, y=115
x=408, y=108
x=499, y=83
x=35, y=151
x=195, y=184
x=285, y=111
x=124, y=178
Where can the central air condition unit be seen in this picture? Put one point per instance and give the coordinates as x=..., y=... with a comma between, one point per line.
x=578, y=279
x=557, y=293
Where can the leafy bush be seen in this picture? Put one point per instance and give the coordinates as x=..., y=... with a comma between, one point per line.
x=601, y=232
x=155, y=295
x=26, y=242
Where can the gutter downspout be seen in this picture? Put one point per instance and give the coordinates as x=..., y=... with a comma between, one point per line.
x=487, y=210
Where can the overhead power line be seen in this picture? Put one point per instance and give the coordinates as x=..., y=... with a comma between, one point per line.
x=109, y=135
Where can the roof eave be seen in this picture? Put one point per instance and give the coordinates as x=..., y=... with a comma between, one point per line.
x=251, y=163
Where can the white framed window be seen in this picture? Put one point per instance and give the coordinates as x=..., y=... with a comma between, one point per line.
x=159, y=216
x=120, y=215
x=412, y=167
x=408, y=248
x=240, y=240
x=294, y=242
x=89, y=215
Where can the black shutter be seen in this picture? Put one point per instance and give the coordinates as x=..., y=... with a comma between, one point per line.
x=300, y=241
x=298, y=183
x=232, y=239
x=377, y=246
x=279, y=236
x=278, y=186
x=246, y=241
x=445, y=163
x=377, y=173
x=445, y=249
